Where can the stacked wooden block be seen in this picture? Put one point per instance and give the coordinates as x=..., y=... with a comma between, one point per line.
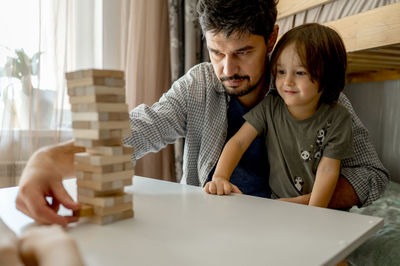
x=100, y=121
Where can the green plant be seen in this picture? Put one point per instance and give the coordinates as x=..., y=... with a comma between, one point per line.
x=19, y=65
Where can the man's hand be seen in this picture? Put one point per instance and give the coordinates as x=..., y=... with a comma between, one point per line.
x=42, y=177
x=221, y=186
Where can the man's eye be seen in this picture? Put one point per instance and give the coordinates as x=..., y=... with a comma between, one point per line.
x=242, y=52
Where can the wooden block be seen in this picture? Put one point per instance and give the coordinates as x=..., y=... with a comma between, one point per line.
x=100, y=134
x=99, y=116
x=107, y=201
x=107, y=177
x=96, y=90
x=88, y=143
x=100, y=169
x=103, y=220
x=110, y=150
x=128, y=166
x=103, y=211
x=103, y=186
x=87, y=158
x=101, y=124
x=100, y=107
x=89, y=81
x=95, y=73
x=87, y=192
x=96, y=99
x=85, y=210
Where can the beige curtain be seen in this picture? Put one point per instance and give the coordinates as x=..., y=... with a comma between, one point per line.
x=147, y=69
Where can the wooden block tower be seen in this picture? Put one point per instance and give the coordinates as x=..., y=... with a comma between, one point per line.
x=100, y=121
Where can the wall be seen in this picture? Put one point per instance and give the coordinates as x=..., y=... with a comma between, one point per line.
x=378, y=106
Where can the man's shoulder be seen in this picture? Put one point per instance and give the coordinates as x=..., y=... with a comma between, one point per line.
x=203, y=71
x=345, y=102
x=336, y=111
x=202, y=75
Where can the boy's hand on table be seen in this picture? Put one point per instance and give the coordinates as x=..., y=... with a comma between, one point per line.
x=221, y=186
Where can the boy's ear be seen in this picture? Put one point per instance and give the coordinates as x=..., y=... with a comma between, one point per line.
x=272, y=39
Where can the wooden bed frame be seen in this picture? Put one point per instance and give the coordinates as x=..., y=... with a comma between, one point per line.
x=372, y=39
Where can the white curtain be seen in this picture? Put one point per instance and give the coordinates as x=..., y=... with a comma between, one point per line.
x=32, y=90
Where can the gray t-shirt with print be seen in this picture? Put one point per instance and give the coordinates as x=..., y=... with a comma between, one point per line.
x=295, y=147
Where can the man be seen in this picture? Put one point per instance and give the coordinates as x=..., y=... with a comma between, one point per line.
x=205, y=107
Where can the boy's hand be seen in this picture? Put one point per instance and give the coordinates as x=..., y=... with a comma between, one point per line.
x=221, y=186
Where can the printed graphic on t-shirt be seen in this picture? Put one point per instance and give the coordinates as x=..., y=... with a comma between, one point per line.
x=312, y=155
x=298, y=183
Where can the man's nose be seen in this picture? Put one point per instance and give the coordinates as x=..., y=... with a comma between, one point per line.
x=230, y=66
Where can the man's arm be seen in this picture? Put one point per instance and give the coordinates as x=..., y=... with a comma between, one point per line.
x=364, y=172
x=154, y=127
x=42, y=177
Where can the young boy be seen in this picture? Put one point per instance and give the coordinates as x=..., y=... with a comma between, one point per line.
x=306, y=132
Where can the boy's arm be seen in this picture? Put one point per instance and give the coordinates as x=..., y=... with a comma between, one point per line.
x=343, y=197
x=325, y=182
x=230, y=157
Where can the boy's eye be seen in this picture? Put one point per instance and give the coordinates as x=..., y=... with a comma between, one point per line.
x=280, y=72
x=301, y=73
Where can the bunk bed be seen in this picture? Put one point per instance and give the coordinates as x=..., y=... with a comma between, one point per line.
x=371, y=32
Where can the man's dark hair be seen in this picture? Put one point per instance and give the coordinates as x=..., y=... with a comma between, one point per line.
x=322, y=53
x=237, y=16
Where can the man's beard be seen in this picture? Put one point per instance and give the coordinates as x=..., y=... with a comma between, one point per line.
x=244, y=91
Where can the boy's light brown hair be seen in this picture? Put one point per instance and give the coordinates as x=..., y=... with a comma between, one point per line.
x=322, y=52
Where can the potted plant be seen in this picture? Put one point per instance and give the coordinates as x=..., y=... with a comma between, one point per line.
x=28, y=99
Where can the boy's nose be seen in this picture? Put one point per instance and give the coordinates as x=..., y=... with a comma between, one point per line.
x=289, y=80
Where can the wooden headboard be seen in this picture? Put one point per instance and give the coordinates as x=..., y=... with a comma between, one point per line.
x=372, y=39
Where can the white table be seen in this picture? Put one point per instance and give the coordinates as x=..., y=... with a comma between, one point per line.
x=177, y=224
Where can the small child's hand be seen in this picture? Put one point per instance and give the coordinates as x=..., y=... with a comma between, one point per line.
x=221, y=186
